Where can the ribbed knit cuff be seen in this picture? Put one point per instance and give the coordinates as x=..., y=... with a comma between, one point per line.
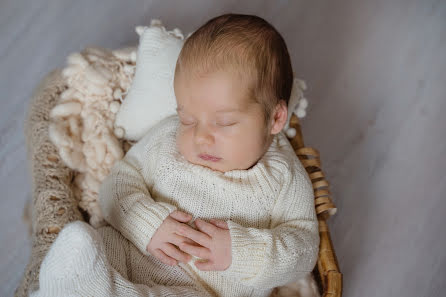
x=248, y=253
x=143, y=219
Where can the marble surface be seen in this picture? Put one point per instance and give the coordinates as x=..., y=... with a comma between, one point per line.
x=376, y=75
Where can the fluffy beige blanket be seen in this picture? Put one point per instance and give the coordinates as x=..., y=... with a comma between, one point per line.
x=81, y=124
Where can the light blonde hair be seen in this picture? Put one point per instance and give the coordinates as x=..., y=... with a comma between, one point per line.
x=249, y=47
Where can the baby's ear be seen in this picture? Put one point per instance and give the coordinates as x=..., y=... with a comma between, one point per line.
x=279, y=117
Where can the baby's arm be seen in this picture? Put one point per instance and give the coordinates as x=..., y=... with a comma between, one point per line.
x=124, y=196
x=267, y=258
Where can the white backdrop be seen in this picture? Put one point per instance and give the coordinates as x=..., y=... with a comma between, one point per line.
x=376, y=72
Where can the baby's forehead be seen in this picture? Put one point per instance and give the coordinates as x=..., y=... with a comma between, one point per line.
x=240, y=105
x=227, y=78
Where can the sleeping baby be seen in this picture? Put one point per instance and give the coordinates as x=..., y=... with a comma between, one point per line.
x=213, y=200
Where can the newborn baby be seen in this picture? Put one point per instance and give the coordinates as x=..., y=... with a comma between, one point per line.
x=211, y=201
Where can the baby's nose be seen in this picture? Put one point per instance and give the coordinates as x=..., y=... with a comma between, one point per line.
x=203, y=135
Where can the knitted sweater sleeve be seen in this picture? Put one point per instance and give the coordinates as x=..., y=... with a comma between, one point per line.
x=267, y=258
x=124, y=196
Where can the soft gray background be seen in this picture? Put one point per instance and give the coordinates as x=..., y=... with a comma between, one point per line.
x=376, y=72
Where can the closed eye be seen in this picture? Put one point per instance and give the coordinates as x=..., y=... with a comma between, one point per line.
x=226, y=125
x=186, y=124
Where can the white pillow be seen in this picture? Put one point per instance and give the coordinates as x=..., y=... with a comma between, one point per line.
x=151, y=96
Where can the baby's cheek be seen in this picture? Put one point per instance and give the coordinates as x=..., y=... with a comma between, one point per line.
x=186, y=146
x=181, y=144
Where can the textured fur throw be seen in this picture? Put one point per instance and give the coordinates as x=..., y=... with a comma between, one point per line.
x=81, y=124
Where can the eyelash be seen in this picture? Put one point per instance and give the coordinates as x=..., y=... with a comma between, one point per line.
x=227, y=125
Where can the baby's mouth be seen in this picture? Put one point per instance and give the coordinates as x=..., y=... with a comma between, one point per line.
x=207, y=157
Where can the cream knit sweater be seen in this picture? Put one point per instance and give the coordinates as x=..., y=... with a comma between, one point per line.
x=269, y=209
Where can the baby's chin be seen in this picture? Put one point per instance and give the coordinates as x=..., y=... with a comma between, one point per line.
x=219, y=166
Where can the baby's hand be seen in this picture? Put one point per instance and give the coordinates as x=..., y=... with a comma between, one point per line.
x=164, y=242
x=215, y=241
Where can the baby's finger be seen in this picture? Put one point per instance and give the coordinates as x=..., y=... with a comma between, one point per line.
x=178, y=239
x=220, y=224
x=160, y=255
x=173, y=252
x=200, y=252
x=204, y=265
x=205, y=227
x=181, y=216
x=199, y=237
x=189, y=241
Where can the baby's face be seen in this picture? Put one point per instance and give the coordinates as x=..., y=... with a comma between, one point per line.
x=220, y=128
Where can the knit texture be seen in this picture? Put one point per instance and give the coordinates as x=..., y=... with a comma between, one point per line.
x=86, y=271
x=53, y=202
x=269, y=209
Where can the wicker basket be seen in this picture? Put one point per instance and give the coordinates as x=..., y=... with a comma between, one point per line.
x=53, y=203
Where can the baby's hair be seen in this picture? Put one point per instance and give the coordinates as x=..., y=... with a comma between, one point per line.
x=249, y=47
